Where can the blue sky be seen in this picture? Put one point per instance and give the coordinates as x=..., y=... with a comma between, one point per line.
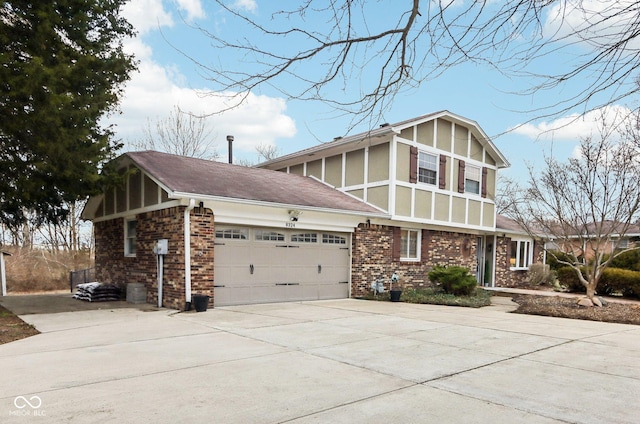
x=167, y=78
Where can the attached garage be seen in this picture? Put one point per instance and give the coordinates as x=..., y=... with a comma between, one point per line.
x=235, y=234
x=260, y=264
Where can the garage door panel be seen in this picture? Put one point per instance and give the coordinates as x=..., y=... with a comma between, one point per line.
x=279, y=274
x=333, y=291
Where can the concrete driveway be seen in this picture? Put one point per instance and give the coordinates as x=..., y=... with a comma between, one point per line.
x=342, y=361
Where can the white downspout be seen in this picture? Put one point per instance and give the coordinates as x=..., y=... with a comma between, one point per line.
x=187, y=253
x=3, y=275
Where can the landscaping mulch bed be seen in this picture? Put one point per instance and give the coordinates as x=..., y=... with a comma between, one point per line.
x=555, y=306
x=13, y=328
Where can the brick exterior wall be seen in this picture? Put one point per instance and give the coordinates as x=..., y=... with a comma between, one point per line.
x=112, y=266
x=373, y=258
x=505, y=277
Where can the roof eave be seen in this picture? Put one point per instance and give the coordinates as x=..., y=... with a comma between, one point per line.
x=205, y=197
x=378, y=132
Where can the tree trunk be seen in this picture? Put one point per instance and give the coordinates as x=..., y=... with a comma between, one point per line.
x=591, y=290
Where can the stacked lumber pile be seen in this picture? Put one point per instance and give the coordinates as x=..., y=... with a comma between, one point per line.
x=98, y=292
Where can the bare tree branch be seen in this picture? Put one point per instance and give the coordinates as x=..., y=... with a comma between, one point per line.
x=587, y=204
x=344, y=54
x=181, y=133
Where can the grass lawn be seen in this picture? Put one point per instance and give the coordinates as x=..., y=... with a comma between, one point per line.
x=13, y=328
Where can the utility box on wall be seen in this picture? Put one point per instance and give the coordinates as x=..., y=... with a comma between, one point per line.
x=161, y=247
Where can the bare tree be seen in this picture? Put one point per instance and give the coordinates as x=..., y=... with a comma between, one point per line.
x=71, y=235
x=180, y=133
x=587, y=204
x=506, y=194
x=356, y=56
x=265, y=152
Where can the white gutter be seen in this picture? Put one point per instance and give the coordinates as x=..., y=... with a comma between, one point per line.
x=206, y=197
x=187, y=253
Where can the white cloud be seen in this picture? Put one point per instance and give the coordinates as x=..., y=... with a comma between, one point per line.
x=154, y=91
x=595, y=21
x=193, y=8
x=248, y=5
x=146, y=15
x=574, y=127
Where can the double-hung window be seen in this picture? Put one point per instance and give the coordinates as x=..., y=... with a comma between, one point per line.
x=427, y=168
x=521, y=254
x=472, y=176
x=130, y=237
x=409, y=245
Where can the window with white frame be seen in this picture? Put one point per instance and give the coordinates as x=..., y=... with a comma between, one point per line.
x=130, y=237
x=427, y=168
x=472, y=179
x=232, y=233
x=269, y=235
x=521, y=254
x=333, y=239
x=304, y=238
x=409, y=245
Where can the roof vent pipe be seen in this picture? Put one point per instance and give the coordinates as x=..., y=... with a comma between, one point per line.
x=230, y=141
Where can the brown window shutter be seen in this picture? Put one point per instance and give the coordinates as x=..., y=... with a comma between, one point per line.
x=413, y=164
x=424, y=245
x=484, y=182
x=442, y=173
x=395, y=244
x=461, y=165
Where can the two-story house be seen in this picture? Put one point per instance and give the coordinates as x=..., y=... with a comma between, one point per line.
x=434, y=175
x=321, y=223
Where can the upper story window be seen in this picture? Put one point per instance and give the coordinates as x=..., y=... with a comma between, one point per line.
x=427, y=168
x=409, y=245
x=521, y=254
x=472, y=177
x=130, y=237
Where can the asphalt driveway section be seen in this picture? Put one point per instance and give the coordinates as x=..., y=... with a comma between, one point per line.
x=338, y=361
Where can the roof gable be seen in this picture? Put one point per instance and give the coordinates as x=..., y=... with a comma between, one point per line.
x=386, y=130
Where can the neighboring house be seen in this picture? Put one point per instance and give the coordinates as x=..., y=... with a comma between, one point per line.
x=601, y=237
x=321, y=223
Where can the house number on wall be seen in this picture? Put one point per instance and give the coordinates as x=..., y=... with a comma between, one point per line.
x=290, y=225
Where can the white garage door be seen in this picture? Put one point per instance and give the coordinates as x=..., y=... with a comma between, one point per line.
x=261, y=265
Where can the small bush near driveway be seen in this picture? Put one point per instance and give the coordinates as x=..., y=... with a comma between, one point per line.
x=455, y=280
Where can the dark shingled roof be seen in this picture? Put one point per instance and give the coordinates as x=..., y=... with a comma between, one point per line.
x=508, y=224
x=208, y=178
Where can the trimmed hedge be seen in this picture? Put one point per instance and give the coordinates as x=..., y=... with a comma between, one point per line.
x=455, y=280
x=619, y=280
x=613, y=280
x=628, y=260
